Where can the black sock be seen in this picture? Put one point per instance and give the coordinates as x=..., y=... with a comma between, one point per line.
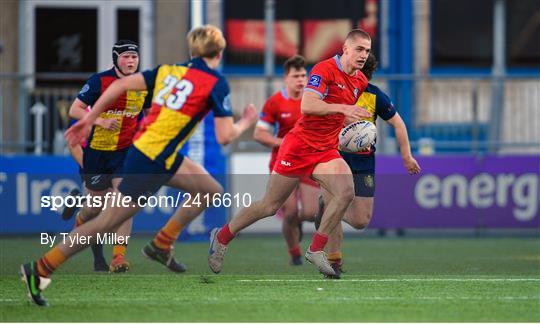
x=97, y=251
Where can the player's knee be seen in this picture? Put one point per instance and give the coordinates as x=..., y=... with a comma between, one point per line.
x=211, y=189
x=307, y=215
x=360, y=223
x=290, y=217
x=217, y=189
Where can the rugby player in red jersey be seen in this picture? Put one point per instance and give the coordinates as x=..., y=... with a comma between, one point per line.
x=279, y=114
x=362, y=165
x=310, y=149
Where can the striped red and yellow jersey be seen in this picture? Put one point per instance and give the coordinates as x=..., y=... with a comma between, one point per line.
x=182, y=96
x=376, y=102
x=126, y=109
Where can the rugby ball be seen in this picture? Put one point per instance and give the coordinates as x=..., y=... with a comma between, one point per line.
x=358, y=136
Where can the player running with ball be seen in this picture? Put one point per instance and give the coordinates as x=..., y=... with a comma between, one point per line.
x=310, y=149
x=362, y=165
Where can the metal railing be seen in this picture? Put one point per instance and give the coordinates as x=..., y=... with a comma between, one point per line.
x=446, y=113
x=442, y=113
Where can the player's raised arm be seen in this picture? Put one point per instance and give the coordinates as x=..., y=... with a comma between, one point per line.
x=227, y=130
x=225, y=127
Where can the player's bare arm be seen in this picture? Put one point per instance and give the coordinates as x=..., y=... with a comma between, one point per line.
x=78, y=111
x=404, y=147
x=263, y=136
x=227, y=130
x=313, y=105
x=117, y=88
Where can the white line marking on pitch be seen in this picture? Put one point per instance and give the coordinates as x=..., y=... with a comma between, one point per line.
x=151, y=300
x=394, y=280
x=157, y=300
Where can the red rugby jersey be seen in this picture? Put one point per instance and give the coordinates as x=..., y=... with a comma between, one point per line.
x=279, y=114
x=334, y=86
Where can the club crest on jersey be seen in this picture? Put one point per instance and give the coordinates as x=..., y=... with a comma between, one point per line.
x=314, y=80
x=355, y=92
x=84, y=89
x=227, y=103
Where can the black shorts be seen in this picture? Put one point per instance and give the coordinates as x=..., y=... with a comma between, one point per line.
x=364, y=183
x=81, y=175
x=363, y=169
x=142, y=176
x=100, y=167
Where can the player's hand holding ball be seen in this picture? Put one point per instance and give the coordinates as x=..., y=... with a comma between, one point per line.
x=353, y=113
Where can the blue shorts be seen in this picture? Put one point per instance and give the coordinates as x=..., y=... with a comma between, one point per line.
x=142, y=176
x=364, y=184
x=363, y=170
x=100, y=167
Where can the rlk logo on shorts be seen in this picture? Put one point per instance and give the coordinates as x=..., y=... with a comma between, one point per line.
x=285, y=163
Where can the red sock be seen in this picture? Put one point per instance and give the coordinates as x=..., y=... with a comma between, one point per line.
x=225, y=235
x=318, y=242
x=295, y=252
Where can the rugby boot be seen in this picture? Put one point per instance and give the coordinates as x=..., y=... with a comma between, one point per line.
x=164, y=257
x=34, y=283
x=119, y=264
x=320, y=260
x=216, y=252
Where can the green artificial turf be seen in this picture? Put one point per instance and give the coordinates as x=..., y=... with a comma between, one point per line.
x=387, y=279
